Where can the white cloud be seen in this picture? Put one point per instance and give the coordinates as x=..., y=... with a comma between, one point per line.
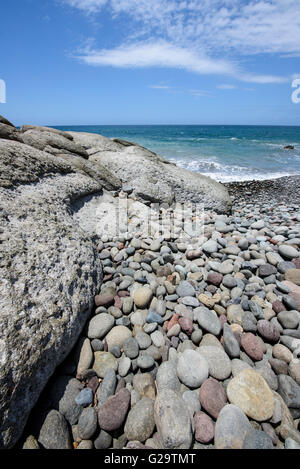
x=201, y=35
x=262, y=79
x=88, y=6
x=247, y=26
x=200, y=93
x=226, y=87
x=167, y=55
x=159, y=54
x=160, y=87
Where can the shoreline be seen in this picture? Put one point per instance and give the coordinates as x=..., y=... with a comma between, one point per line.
x=285, y=189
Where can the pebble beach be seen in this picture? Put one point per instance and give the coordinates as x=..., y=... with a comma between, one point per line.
x=192, y=344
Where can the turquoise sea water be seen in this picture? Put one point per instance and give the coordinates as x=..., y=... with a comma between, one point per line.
x=225, y=153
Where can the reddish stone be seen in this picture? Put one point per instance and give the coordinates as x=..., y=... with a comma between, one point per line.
x=223, y=319
x=118, y=302
x=171, y=279
x=165, y=326
x=278, y=306
x=212, y=397
x=112, y=413
x=294, y=292
x=268, y=331
x=123, y=293
x=211, y=288
x=93, y=383
x=215, y=278
x=104, y=299
x=164, y=271
x=107, y=277
x=297, y=262
x=195, y=254
x=186, y=325
x=174, y=320
x=204, y=427
x=252, y=346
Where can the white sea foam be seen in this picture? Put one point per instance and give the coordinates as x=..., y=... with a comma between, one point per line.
x=229, y=173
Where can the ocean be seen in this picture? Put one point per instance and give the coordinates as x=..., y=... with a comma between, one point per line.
x=225, y=153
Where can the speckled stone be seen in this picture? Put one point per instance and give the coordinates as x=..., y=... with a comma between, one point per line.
x=212, y=397
x=172, y=420
x=231, y=428
x=257, y=439
x=142, y=297
x=113, y=412
x=268, y=331
x=192, y=368
x=249, y=391
x=252, y=346
x=140, y=421
x=87, y=424
x=204, y=427
x=219, y=363
x=104, y=361
x=117, y=336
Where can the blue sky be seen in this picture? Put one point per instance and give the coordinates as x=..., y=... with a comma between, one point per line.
x=85, y=62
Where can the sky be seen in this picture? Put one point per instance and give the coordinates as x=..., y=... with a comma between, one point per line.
x=131, y=62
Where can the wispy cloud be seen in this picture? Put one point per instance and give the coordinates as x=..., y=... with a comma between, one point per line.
x=160, y=87
x=226, y=87
x=203, y=35
x=167, y=55
x=248, y=26
x=200, y=93
x=158, y=54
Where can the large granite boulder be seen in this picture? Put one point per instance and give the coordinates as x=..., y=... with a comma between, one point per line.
x=3, y=120
x=152, y=177
x=52, y=142
x=9, y=132
x=49, y=270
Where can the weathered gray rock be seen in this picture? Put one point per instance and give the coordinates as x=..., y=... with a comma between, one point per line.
x=152, y=177
x=51, y=142
x=256, y=439
x=9, y=132
x=3, y=120
x=87, y=424
x=219, y=364
x=288, y=251
x=107, y=387
x=230, y=343
x=231, y=428
x=40, y=128
x=54, y=433
x=172, y=420
x=192, y=369
x=51, y=271
x=63, y=392
x=249, y=391
x=289, y=390
x=100, y=325
x=140, y=421
x=166, y=377
x=208, y=320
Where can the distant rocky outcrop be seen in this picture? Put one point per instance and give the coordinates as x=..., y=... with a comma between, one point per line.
x=152, y=177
